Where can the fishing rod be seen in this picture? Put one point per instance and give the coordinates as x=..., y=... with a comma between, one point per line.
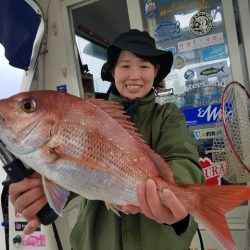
x=17, y=171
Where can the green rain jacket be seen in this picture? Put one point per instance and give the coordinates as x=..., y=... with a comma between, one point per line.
x=97, y=228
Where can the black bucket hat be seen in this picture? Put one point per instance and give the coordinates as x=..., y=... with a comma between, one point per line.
x=141, y=44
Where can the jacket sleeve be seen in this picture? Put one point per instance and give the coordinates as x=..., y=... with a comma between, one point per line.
x=175, y=145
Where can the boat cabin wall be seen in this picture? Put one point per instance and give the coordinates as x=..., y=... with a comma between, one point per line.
x=56, y=67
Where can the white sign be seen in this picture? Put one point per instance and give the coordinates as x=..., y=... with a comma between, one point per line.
x=200, y=42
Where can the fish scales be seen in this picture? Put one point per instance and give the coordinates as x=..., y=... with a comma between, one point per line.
x=108, y=150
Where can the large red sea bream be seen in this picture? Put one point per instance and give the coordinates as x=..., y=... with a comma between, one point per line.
x=89, y=147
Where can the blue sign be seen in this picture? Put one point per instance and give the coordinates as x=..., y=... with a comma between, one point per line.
x=214, y=52
x=202, y=115
x=171, y=49
x=168, y=29
x=62, y=88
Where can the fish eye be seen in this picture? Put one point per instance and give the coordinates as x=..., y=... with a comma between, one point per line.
x=28, y=105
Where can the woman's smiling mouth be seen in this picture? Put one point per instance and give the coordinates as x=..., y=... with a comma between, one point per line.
x=133, y=87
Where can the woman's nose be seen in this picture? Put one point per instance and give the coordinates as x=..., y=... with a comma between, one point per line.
x=134, y=73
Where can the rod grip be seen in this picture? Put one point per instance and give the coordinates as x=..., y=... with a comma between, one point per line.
x=16, y=172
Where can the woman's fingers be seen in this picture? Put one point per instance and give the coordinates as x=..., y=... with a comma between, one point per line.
x=156, y=207
x=31, y=211
x=167, y=210
x=174, y=205
x=27, y=198
x=17, y=189
x=32, y=226
x=142, y=199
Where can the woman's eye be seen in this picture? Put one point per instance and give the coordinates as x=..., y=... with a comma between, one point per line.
x=125, y=66
x=28, y=106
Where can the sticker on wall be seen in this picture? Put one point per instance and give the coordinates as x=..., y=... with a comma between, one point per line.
x=62, y=88
x=214, y=52
x=201, y=42
x=150, y=8
x=216, y=69
x=190, y=57
x=201, y=99
x=201, y=23
x=204, y=92
x=166, y=92
x=179, y=62
x=211, y=71
x=210, y=171
x=171, y=49
x=20, y=225
x=34, y=240
x=166, y=31
x=192, y=60
x=195, y=84
x=206, y=133
x=189, y=74
x=202, y=115
x=182, y=6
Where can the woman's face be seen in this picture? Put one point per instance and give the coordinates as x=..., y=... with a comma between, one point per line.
x=134, y=77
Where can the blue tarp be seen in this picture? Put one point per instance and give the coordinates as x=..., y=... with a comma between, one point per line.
x=18, y=28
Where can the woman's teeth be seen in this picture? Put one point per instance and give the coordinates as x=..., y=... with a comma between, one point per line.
x=133, y=87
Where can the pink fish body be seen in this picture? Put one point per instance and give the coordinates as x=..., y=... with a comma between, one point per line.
x=89, y=147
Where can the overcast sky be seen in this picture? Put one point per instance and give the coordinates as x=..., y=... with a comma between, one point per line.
x=10, y=77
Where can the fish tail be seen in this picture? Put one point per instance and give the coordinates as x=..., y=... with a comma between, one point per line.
x=214, y=202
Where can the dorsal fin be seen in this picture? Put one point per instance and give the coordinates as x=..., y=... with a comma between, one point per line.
x=118, y=114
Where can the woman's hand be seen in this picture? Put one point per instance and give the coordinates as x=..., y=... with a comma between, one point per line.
x=168, y=210
x=28, y=198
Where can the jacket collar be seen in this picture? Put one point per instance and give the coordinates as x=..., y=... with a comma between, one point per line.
x=133, y=106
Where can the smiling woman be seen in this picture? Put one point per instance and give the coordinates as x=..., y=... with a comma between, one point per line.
x=10, y=77
x=134, y=76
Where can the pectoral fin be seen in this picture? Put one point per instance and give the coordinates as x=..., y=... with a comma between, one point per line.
x=113, y=208
x=56, y=195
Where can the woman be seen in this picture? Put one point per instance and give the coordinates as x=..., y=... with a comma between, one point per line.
x=135, y=67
